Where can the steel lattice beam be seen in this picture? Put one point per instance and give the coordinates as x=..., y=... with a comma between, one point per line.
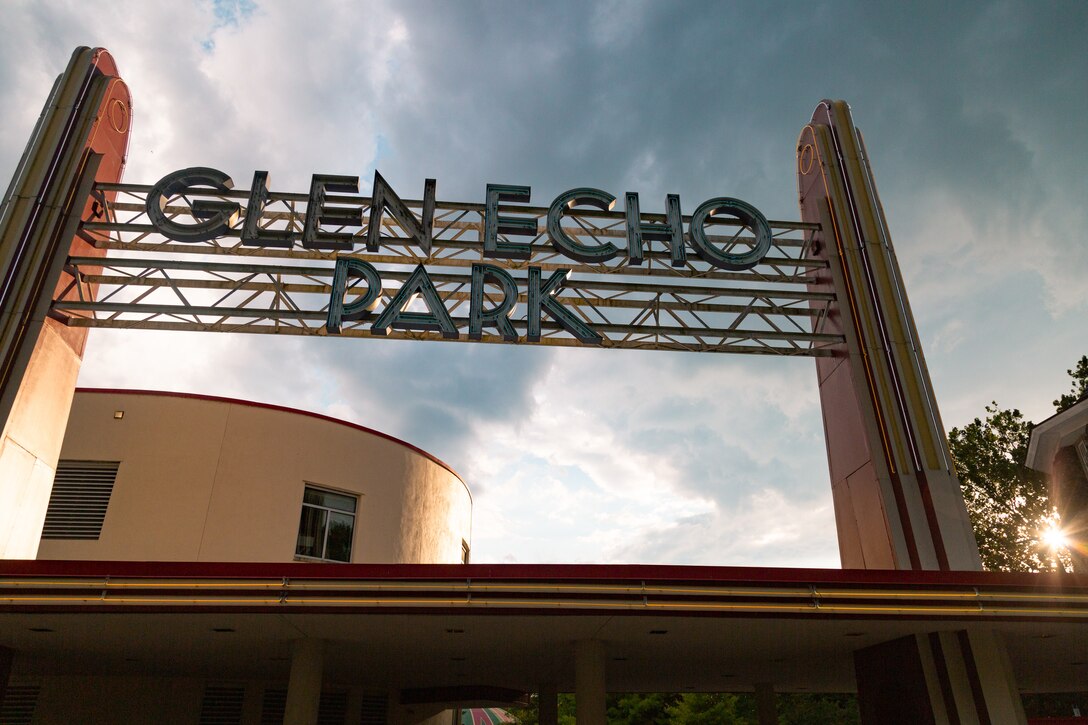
x=153, y=282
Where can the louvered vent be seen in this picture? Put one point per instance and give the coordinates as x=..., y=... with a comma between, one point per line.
x=77, y=505
x=222, y=705
x=272, y=706
x=375, y=709
x=18, y=705
x=332, y=708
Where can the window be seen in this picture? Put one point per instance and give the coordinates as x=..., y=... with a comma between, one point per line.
x=326, y=526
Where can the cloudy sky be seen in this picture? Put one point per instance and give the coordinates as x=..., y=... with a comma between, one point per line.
x=974, y=116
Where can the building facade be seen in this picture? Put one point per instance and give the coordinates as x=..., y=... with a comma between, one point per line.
x=163, y=477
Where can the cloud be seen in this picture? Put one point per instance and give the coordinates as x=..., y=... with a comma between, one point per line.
x=618, y=447
x=972, y=117
x=769, y=528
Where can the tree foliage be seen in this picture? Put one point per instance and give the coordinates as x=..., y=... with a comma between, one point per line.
x=1007, y=501
x=1079, y=373
x=831, y=709
x=637, y=709
x=697, y=708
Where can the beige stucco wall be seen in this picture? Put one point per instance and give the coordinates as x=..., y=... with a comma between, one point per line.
x=31, y=441
x=215, y=480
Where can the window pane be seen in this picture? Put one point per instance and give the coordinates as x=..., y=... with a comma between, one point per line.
x=340, y=526
x=311, y=532
x=329, y=500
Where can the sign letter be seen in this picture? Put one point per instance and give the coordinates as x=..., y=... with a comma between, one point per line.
x=543, y=298
x=317, y=213
x=749, y=217
x=563, y=242
x=494, y=225
x=672, y=231
x=383, y=197
x=218, y=216
x=252, y=234
x=435, y=319
x=498, y=315
x=359, y=308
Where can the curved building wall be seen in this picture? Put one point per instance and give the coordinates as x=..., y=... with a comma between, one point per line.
x=212, y=479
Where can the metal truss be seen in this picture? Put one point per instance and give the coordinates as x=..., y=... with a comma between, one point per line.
x=148, y=281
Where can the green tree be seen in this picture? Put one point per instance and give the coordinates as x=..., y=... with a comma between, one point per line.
x=530, y=715
x=1079, y=373
x=818, y=709
x=1007, y=501
x=641, y=709
x=697, y=708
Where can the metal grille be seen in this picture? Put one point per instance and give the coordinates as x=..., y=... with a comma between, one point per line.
x=18, y=705
x=332, y=708
x=375, y=710
x=222, y=285
x=78, y=502
x=222, y=705
x=273, y=705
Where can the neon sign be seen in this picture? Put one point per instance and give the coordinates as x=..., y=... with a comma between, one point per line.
x=219, y=217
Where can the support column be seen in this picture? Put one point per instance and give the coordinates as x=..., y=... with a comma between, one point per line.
x=81, y=137
x=898, y=503
x=897, y=500
x=304, y=685
x=766, y=709
x=589, y=684
x=937, y=679
x=548, y=705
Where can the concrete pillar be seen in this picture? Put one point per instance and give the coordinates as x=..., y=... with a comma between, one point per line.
x=936, y=678
x=40, y=357
x=304, y=685
x=548, y=705
x=589, y=687
x=898, y=504
x=766, y=709
x=31, y=441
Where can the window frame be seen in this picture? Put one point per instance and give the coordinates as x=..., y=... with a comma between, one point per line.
x=308, y=486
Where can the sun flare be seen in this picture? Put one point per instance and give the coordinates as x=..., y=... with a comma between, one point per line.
x=1054, y=538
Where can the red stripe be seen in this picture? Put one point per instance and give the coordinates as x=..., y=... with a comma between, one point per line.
x=582, y=573
x=972, y=677
x=943, y=679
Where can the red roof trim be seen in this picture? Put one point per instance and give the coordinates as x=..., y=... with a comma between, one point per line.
x=282, y=409
x=604, y=573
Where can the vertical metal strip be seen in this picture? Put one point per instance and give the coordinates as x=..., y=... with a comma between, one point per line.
x=43, y=281
x=977, y=692
x=902, y=510
x=943, y=679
